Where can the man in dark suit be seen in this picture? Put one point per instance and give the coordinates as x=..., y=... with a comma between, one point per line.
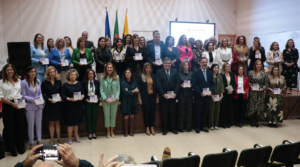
x=202, y=78
x=155, y=50
x=89, y=44
x=167, y=79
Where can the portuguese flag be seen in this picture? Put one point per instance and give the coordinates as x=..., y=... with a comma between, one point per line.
x=116, y=31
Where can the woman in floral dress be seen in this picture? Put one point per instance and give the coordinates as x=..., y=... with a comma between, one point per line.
x=274, y=101
x=256, y=98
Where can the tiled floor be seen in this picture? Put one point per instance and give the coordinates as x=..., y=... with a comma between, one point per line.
x=141, y=146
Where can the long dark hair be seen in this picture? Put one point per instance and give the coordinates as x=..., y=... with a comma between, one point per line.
x=287, y=43
x=116, y=42
x=167, y=41
x=99, y=47
x=132, y=78
x=70, y=41
x=35, y=42
x=213, y=66
x=48, y=45
x=180, y=41
x=124, y=39
x=35, y=81
x=4, y=75
x=86, y=76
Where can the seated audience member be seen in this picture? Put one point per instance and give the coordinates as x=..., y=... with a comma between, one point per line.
x=203, y=84
x=57, y=55
x=155, y=51
x=129, y=95
x=67, y=155
x=168, y=84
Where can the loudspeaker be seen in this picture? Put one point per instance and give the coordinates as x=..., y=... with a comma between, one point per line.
x=19, y=55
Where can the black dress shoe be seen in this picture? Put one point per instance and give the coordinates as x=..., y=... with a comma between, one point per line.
x=256, y=124
x=270, y=125
x=240, y=125
x=275, y=125
x=224, y=127
x=204, y=129
x=252, y=123
x=197, y=130
x=237, y=124
x=90, y=138
x=165, y=132
x=228, y=126
x=174, y=131
x=14, y=153
x=95, y=137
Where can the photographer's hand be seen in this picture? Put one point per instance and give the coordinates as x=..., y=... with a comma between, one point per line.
x=67, y=155
x=32, y=156
x=110, y=162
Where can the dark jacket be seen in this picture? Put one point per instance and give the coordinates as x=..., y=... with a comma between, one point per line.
x=198, y=82
x=163, y=84
x=232, y=82
x=253, y=59
x=143, y=88
x=101, y=59
x=85, y=87
x=151, y=55
x=129, y=100
x=130, y=52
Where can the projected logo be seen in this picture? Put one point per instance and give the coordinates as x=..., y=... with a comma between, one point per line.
x=194, y=30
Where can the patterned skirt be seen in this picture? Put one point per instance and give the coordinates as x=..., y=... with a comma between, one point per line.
x=274, y=109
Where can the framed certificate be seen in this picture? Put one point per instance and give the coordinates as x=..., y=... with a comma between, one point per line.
x=277, y=59
x=38, y=100
x=110, y=98
x=255, y=87
x=170, y=94
x=93, y=98
x=45, y=61
x=186, y=59
x=216, y=97
x=229, y=88
x=138, y=56
x=240, y=90
x=65, y=63
x=158, y=61
x=21, y=103
x=83, y=61
x=206, y=91
x=118, y=57
x=56, y=97
x=187, y=83
x=257, y=55
x=77, y=95
x=276, y=91
x=243, y=58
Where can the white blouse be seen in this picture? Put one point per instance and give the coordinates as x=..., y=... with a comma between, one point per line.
x=70, y=50
x=41, y=50
x=241, y=82
x=225, y=55
x=122, y=54
x=91, y=90
x=10, y=92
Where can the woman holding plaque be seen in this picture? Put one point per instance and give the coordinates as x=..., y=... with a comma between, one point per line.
x=241, y=96
x=274, y=97
x=185, y=99
x=148, y=97
x=136, y=55
x=39, y=51
x=216, y=98
x=51, y=90
x=91, y=88
x=225, y=53
x=229, y=85
x=274, y=57
x=73, y=94
x=118, y=55
x=102, y=57
x=82, y=58
x=129, y=97
x=257, y=53
x=31, y=92
x=258, y=81
x=110, y=92
x=185, y=51
x=290, y=65
x=171, y=52
x=197, y=54
x=13, y=116
x=211, y=55
x=60, y=58
x=242, y=52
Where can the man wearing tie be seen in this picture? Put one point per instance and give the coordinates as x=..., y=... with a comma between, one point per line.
x=168, y=84
x=155, y=50
x=202, y=79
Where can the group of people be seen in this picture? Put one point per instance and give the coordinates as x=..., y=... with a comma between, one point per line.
x=210, y=74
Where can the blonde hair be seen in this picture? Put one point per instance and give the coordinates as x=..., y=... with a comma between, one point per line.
x=144, y=75
x=221, y=43
x=254, y=67
x=70, y=72
x=182, y=65
x=47, y=78
x=114, y=73
x=223, y=67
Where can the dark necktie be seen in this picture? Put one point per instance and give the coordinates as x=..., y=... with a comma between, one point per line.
x=168, y=75
x=91, y=85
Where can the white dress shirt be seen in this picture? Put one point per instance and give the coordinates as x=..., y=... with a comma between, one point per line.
x=10, y=92
x=241, y=82
x=91, y=90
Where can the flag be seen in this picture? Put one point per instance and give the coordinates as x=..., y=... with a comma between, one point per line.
x=125, y=29
x=116, y=31
x=107, y=29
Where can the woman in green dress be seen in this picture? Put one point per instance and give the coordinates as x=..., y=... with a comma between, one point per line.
x=129, y=96
x=274, y=98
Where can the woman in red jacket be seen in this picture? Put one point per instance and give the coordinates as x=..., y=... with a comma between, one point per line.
x=241, y=96
x=185, y=51
x=234, y=57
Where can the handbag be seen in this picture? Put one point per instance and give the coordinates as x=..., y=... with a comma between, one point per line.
x=2, y=151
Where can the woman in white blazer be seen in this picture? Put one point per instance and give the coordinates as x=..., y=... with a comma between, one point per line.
x=211, y=55
x=225, y=53
x=274, y=57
